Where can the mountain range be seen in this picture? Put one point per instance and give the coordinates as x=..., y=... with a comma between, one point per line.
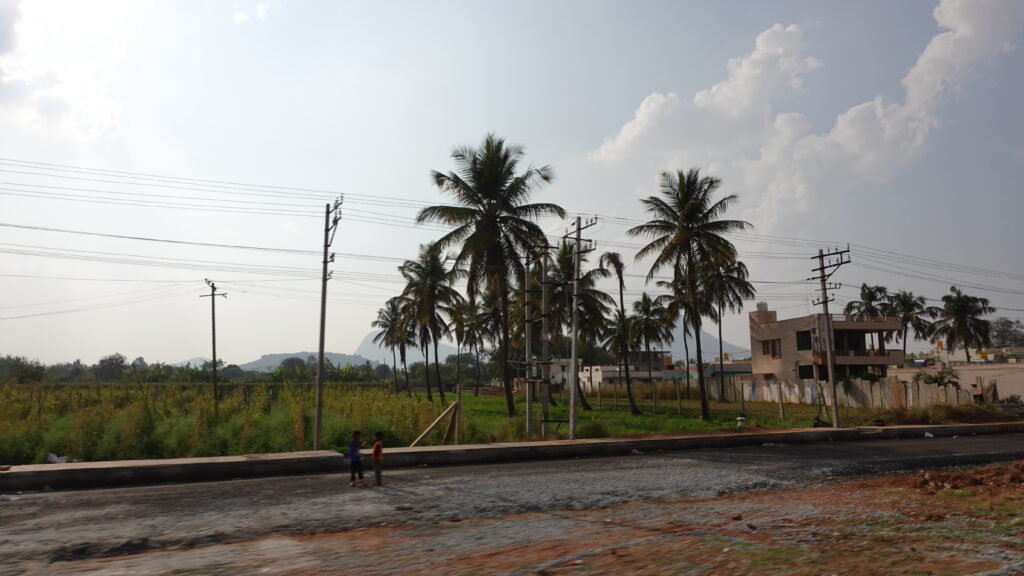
x=709, y=349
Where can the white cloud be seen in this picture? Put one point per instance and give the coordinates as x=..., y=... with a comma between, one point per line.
x=59, y=66
x=774, y=159
x=666, y=123
x=776, y=61
x=241, y=17
x=9, y=13
x=262, y=9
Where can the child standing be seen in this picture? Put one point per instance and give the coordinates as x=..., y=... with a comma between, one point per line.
x=355, y=460
x=378, y=458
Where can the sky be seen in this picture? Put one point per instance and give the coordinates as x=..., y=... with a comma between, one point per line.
x=139, y=140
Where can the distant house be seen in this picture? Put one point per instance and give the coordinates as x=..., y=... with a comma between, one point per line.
x=795, y=349
x=662, y=370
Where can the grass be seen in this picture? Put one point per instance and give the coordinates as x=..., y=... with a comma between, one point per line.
x=117, y=421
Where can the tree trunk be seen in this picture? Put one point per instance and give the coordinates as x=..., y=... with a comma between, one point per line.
x=686, y=352
x=633, y=408
x=394, y=370
x=476, y=345
x=904, y=346
x=579, y=390
x=705, y=410
x=405, y=368
x=967, y=350
x=426, y=369
x=650, y=378
x=437, y=370
x=505, y=351
x=721, y=359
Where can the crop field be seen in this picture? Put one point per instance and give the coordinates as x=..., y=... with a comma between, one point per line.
x=117, y=421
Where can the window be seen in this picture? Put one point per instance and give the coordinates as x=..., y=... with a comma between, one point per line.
x=803, y=340
x=806, y=372
x=772, y=347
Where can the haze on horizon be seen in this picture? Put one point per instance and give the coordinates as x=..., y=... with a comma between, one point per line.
x=892, y=127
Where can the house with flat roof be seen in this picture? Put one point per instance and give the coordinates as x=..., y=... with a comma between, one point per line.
x=795, y=349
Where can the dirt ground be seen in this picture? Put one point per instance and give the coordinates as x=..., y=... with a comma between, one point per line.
x=931, y=522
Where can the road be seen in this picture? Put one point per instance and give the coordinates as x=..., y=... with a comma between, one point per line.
x=66, y=531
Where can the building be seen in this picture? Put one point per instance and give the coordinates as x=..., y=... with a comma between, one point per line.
x=639, y=363
x=794, y=349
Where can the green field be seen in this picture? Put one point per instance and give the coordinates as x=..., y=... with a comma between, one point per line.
x=120, y=421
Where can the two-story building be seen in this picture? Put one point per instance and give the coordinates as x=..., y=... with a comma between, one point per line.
x=794, y=349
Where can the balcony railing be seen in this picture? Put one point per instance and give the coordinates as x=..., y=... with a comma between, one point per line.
x=865, y=353
x=845, y=318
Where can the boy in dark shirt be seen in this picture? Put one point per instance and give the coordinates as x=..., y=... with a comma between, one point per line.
x=378, y=458
x=355, y=460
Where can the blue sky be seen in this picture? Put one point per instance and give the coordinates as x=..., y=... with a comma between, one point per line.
x=892, y=126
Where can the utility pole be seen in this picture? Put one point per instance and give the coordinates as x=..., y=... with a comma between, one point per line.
x=332, y=214
x=574, y=369
x=842, y=257
x=213, y=325
x=528, y=348
x=545, y=346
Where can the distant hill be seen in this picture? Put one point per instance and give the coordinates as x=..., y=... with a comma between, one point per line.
x=195, y=362
x=709, y=348
x=708, y=345
x=268, y=362
x=368, y=349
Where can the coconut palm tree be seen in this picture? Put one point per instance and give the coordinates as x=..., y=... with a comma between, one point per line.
x=613, y=260
x=873, y=305
x=617, y=338
x=688, y=230
x=494, y=223
x=960, y=321
x=912, y=312
x=649, y=324
x=592, y=305
x=432, y=296
x=726, y=283
x=389, y=320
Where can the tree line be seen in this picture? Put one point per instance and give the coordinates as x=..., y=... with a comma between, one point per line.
x=958, y=322
x=115, y=368
x=495, y=231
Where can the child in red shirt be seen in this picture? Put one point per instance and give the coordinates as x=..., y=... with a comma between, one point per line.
x=378, y=457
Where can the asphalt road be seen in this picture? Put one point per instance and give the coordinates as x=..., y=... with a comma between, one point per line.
x=40, y=531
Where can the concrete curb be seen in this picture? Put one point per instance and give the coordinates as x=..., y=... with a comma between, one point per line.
x=127, y=472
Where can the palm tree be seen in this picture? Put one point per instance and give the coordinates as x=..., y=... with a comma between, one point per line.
x=942, y=378
x=617, y=337
x=389, y=320
x=614, y=261
x=688, y=230
x=727, y=285
x=493, y=223
x=432, y=296
x=649, y=325
x=873, y=305
x=592, y=305
x=911, y=311
x=960, y=321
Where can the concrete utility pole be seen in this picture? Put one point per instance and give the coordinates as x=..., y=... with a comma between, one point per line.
x=843, y=258
x=332, y=214
x=545, y=347
x=213, y=325
x=574, y=369
x=528, y=321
